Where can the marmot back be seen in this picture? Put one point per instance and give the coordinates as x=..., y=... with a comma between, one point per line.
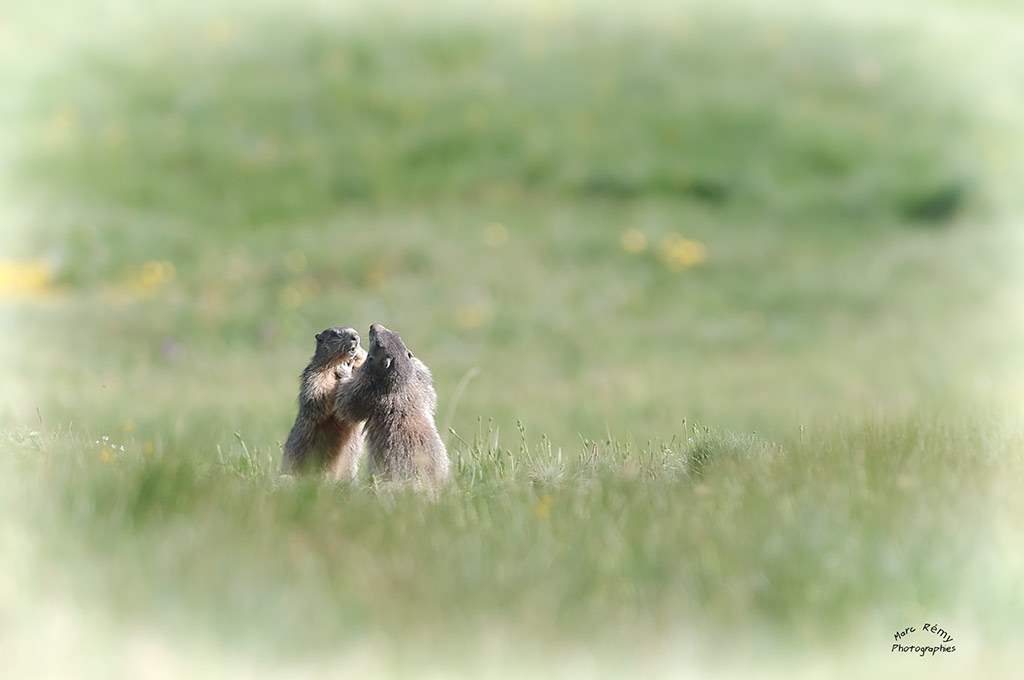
x=394, y=393
x=319, y=442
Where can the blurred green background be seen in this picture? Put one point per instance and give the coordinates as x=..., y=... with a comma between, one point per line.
x=744, y=214
x=601, y=222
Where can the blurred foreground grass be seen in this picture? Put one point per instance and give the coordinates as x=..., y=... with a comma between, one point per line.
x=779, y=218
x=659, y=557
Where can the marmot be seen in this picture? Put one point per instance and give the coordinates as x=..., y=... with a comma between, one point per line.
x=319, y=442
x=393, y=392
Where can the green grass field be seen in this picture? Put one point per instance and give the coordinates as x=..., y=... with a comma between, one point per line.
x=722, y=302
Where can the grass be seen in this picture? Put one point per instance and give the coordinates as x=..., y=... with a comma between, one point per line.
x=597, y=227
x=465, y=111
x=869, y=523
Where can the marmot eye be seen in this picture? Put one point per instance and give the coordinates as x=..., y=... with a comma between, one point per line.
x=410, y=355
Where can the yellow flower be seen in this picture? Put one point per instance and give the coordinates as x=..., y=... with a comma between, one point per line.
x=25, y=279
x=108, y=456
x=543, y=507
x=633, y=241
x=150, y=276
x=679, y=253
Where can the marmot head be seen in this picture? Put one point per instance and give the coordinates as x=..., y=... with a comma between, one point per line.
x=337, y=344
x=388, y=360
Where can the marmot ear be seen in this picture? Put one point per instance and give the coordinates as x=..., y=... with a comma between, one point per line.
x=387, y=363
x=410, y=354
x=318, y=336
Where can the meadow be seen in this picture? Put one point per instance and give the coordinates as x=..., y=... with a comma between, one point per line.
x=722, y=302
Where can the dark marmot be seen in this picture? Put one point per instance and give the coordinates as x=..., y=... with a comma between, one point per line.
x=319, y=442
x=393, y=392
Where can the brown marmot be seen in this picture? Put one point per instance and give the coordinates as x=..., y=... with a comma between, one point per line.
x=393, y=392
x=319, y=442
